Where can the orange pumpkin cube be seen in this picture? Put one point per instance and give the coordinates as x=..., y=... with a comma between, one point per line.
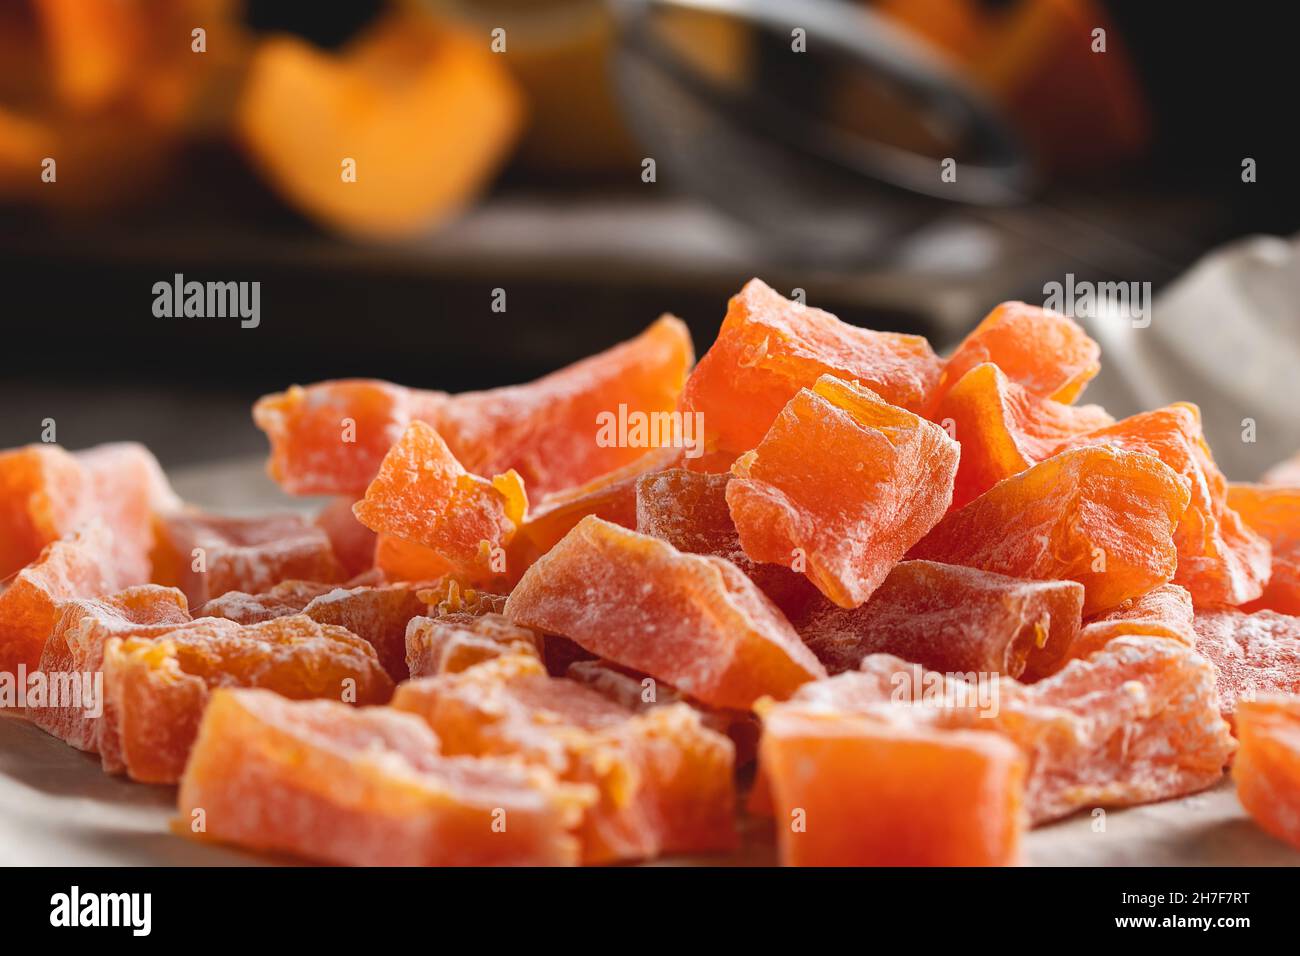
x=1096, y=515
x=769, y=348
x=1267, y=768
x=841, y=487
x=1046, y=353
x=694, y=621
x=76, y=647
x=853, y=790
x=1274, y=512
x=156, y=687
x=366, y=787
x=423, y=495
x=664, y=779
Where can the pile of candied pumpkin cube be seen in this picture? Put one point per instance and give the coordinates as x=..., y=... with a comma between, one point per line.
x=897, y=608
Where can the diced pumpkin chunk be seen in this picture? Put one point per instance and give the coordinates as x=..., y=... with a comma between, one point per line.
x=853, y=790
x=694, y=621
x=366, y=787
x=841, y=487
x=664, y=779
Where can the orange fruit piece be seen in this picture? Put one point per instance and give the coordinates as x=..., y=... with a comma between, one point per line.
x=454, y=642
x=365, y=787
x=77, y=566
x=1284, y=472
x=694, y=621
x=689, y=510
x=75, y=648
x=1097, y=515
x=378, y=614
x=1046, y=353
x=769, y=348
x=155, y=688
x=1220, y=560
x=353, y=543
x=953, y=619
x=1164, y=611
x=1003, y=428
x=853, y=790
x=329, y=438
x=207, y=555
x=1274, y=512
x=423, y=495
x=46, y=493
x=1267, y=768
x=1136, y=722
x=840, y=487
x=285, y=598
x=664, y=779
x=1255, y=653
x=550, y=430
x=426, y=113
x=41, y=494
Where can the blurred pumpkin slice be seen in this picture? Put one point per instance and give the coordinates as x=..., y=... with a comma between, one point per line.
x=424, y=112
x=94, y=48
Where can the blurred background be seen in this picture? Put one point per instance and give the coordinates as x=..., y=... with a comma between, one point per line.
x=906, y=163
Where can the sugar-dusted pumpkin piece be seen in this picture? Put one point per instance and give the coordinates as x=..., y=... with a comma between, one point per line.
x=689, y=510
x=1136, y=722
x=694, y=621
x=1097, y=515
x=1254, y=653
x=769, y=348
x=953, y=619
x=46, y=493
x=206, y=555
x=425, y=112
x=1047, y=353
x=453, y=642
x=1284, y=472
x=285, y=598
x=1267, y=768
x=366, y=787
x=41, y=494
x=77, y=566
x=1274, y=512
x=423, y=495
x=560, y=431
x=664, y=779
x=74, y=652
x=842, y=485
x=1220, y=559
x=1164, y=611
x=329, y=438
x=855, y=790
x=353, y=542
x=155, y=687
x=1003, y=428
